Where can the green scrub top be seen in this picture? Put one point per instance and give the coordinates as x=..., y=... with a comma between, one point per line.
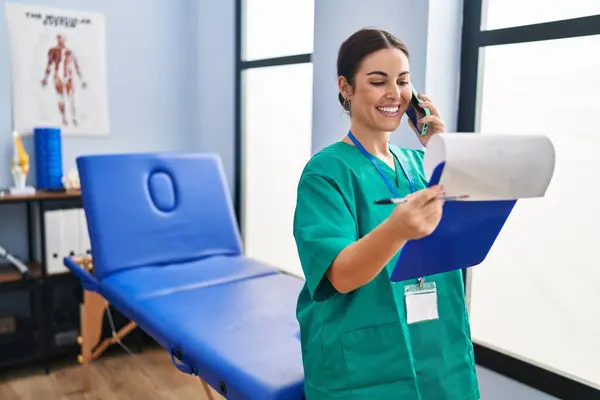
x=359, y=345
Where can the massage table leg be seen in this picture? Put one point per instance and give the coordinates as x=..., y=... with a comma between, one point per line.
x=91, y=320
x=92, y=313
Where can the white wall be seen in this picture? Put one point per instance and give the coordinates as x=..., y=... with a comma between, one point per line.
x=215, y=83
x=431, y=30
x=442, y=78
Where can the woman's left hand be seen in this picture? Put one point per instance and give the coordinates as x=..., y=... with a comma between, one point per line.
x=436, y=124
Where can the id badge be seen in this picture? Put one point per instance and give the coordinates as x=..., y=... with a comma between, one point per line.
x=421, y=302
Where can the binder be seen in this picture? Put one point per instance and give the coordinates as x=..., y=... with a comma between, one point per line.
x=66, y=236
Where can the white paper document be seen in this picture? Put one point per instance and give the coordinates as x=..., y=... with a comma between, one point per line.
x=491, y=166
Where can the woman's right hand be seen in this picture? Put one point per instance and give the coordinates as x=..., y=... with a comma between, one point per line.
x=360, y=262
x=419, y=215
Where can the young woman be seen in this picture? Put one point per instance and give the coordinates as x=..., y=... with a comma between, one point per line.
x=357, y=341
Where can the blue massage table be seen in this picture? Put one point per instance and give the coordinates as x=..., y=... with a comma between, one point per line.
x=167, y=254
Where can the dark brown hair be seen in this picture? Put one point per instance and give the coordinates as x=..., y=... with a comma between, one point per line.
x=358, y=46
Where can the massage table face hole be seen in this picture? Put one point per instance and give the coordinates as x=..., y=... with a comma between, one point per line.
x=162, y=190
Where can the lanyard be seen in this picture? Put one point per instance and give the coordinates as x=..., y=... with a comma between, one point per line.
x=374, y=162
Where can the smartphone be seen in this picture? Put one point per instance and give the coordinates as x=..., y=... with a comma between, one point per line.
x=411, y=111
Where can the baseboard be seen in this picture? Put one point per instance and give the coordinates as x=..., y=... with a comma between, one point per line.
x=533, y=376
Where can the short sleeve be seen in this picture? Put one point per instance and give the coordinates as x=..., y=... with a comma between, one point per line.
x=323, y=227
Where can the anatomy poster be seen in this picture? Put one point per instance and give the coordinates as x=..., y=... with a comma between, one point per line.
x=58, y=63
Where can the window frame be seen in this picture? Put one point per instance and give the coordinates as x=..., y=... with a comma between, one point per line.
x=473, y=39
x=240, y=66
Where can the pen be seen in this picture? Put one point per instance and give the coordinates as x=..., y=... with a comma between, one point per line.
x=404, y=199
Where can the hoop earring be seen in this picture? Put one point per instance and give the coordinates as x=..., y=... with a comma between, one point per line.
x=346, y=105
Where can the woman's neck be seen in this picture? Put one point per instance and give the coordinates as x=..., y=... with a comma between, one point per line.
x=376, y=143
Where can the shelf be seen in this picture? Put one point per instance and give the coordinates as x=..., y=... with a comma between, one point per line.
x=6, y=197
x=40, y=337
x=20, y=359
x=9, y=273
x=20, y=346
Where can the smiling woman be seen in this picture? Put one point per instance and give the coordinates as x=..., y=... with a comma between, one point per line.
x=395, y=59
x=356, y=339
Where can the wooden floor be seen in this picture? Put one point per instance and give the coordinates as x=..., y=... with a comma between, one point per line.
x=147, y=375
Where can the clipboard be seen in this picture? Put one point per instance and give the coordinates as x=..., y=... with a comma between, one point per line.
x=463, y=238
x=484, y=175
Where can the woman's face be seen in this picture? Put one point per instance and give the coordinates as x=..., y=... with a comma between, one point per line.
x=382, y=90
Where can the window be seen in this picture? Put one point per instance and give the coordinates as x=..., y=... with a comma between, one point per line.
x=533, y=69
x=273, y=124
x=276, y=28
x=545, y=88
x=276, y=146
x=498, y=14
